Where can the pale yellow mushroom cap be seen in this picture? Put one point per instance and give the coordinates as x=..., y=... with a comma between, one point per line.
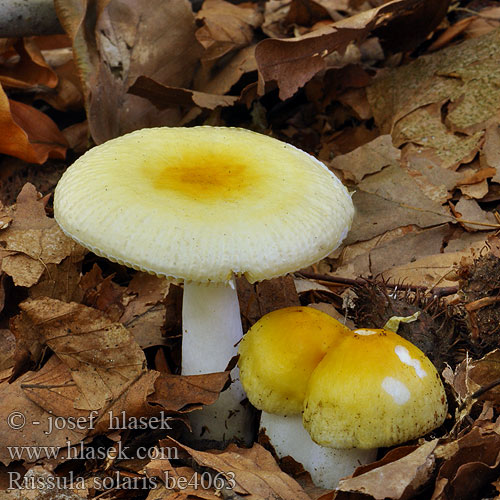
x=373, y=389
x=279, y=353
x=203, y=203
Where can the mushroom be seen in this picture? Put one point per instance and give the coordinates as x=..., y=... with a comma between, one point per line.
x=278, y=355
x=200, y=205
x=373, y=389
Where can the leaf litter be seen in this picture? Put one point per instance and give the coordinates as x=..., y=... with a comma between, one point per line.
x=408, y=118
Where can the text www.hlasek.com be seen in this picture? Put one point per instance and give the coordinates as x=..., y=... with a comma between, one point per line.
x=79, y=452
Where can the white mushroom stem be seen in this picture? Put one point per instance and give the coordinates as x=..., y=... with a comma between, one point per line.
x=326, y=465
x=211, y=333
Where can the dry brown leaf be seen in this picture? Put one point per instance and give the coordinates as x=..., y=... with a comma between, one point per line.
x=178, y=393
x=426, y=168
x=431, y=99
x=27, y=133
x=30, y=425
x=398, y=480
x=226, y=27
x=31, y=70
x=144, y=309
x=293, y=62
x=474, y=461
x=163, y=96
x=255, y=473
x=367, y=159
x=389, y=199
x=124, y=41
x=103, y=356
x=469, y=211
x=472, y=376
x=258, y=299
x=219, y=80
x=424, y=128
x=102, y=293
x=434, y=270
x=33, y=240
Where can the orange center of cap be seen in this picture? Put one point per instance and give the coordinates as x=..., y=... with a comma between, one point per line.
x=207, y=176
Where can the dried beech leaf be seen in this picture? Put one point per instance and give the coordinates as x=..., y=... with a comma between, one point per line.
x=367, y=159
x=255, y=472
x=27, y=133
x=293, y=62
x=398, y=480
x=164, y=97
x=391, y=198
x=33, y=240
x=31, y=70
x=103, y=357
x=226, y=27
x=14, y=399
x=472, y=462
x=121, y=41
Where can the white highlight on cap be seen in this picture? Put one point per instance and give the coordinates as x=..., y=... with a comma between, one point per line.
x=365, y=331
x=396, y=389
x=404, y=355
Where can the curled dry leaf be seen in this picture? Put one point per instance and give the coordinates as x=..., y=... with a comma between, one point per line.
x=31, y=70
x=32, y=240
x=474, y=380
x=258, y=299
x=56, y=378
x=391, y=198
x=164, y=97
x=27, y=133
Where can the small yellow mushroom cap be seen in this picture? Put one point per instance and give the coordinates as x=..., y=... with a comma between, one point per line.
x=373, y=389
x=203, y=203
x=279, y=353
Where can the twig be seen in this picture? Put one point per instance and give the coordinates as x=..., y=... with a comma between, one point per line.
x=476, y=395
x=436, y=292
x=20, y=18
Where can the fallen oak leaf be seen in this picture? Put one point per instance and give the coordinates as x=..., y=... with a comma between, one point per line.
x=184, y=393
